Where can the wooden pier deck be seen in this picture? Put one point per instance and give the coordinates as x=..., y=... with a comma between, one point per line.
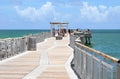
x=50, y=61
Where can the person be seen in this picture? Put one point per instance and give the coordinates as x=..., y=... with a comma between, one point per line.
x=69, y=31
x=88, y=30
x=76, y=29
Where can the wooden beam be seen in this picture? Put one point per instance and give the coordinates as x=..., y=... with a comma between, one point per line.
x=59, y=23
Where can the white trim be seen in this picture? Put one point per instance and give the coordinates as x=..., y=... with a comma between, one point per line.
x=70, y=71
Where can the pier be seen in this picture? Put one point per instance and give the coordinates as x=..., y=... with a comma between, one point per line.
x=43, y=56
x=83, y=36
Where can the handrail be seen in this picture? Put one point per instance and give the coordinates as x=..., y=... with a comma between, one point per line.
x=99, y=53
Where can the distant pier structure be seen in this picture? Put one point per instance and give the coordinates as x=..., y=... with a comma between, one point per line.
x=83, y=37
x=62, y=28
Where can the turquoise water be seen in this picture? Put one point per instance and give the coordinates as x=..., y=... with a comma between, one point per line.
x=18, y=33
x=107, y=41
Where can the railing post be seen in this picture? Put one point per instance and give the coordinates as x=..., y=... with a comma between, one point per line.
x=118, y=71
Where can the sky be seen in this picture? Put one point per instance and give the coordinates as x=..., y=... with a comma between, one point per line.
x=37, y=14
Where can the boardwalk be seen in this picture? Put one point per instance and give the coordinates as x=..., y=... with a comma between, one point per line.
x=50, y=61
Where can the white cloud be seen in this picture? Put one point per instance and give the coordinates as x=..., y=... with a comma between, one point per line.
x=34, y=14
x=99, y=16
x=100, y=13
x=94, y=13
x=114, y=13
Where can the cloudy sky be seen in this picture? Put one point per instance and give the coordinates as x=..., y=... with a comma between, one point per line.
x=37, y=14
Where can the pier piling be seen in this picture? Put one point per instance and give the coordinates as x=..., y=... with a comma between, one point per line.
x=118, y=71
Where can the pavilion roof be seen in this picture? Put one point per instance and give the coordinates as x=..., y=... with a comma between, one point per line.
x=59, y=23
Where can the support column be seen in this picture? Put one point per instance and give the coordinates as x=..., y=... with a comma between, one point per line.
x=59, y=28
x=118, y=71
x=51, y=29
x=67, y=28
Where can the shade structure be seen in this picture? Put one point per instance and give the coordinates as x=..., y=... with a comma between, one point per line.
x=60, y=25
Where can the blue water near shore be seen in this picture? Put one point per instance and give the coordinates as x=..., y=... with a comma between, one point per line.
x=18, y=33
x=107, y=41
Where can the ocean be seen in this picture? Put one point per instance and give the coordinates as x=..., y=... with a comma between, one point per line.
x=18, y=33
x=106, y=41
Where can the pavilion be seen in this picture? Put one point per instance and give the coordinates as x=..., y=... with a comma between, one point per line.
x=61, y=25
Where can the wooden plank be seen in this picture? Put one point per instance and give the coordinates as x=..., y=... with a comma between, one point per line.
x=54, y=72
x=19, y=67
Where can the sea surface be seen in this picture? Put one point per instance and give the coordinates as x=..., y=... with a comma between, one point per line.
x=18, y=33
x=106, y=41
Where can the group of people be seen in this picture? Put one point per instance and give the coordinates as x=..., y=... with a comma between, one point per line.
x=62, y=32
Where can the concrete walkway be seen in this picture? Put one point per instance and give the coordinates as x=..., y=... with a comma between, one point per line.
x=50, y=61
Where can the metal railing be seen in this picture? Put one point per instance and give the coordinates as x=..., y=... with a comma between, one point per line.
x=92, y=64
x=12, y=46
